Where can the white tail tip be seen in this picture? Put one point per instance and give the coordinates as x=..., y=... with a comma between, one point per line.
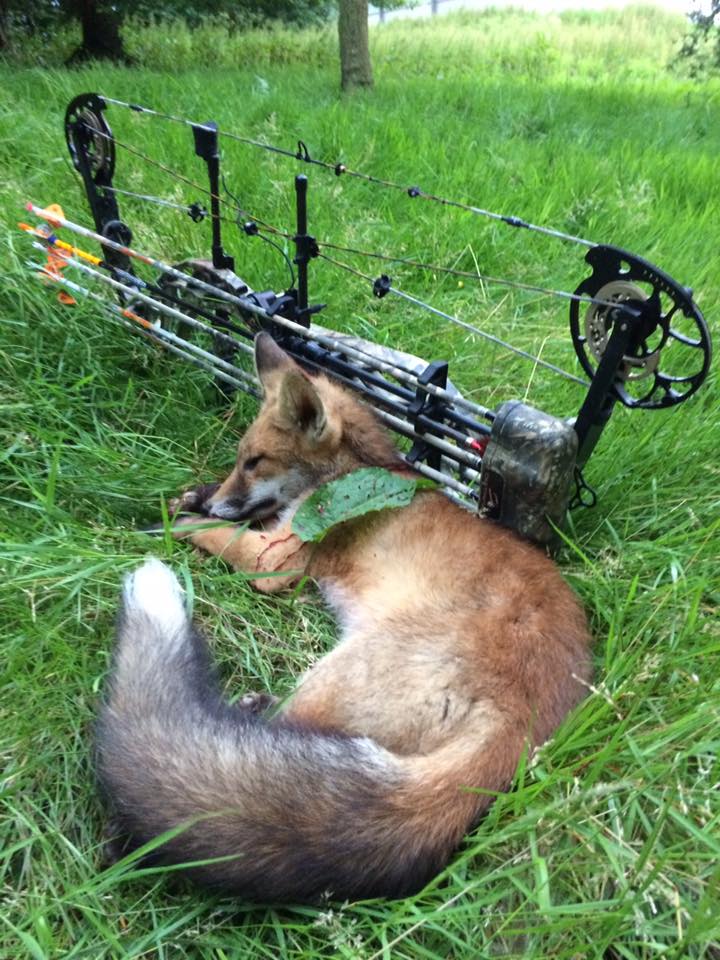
x=154, y=590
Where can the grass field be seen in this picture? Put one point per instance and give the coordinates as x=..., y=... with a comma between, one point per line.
x=609, y=846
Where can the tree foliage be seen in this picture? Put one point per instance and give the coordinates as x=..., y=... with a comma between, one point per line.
x=701, y=47
x=101, y=20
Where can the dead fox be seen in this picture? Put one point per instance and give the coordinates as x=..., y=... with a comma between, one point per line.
x=460, y=648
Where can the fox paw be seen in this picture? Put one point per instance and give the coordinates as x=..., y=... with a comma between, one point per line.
x=257, y=702
x=193, y=500
x=115, y=844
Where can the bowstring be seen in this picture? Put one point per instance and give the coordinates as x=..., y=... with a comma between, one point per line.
x=387, y=258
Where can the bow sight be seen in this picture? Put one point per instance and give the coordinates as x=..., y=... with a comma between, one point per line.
x=628, y=321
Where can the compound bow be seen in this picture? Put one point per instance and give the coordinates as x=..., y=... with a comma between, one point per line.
x=514, y=462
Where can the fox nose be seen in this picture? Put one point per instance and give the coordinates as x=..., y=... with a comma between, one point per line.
x=228, y=508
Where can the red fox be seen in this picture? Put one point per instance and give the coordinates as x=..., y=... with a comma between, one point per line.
x=461, y=647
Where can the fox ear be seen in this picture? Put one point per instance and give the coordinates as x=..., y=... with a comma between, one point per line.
x=301, y=406
x=269, y=358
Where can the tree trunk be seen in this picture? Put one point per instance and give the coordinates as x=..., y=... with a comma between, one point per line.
x=4, y=18
x=355, y=66
x=101, y=38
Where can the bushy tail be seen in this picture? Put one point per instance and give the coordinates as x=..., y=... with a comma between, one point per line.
x=294, y=813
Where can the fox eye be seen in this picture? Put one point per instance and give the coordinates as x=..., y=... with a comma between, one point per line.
x=252, y=462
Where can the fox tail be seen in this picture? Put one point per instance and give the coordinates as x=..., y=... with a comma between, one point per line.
x=268, y=810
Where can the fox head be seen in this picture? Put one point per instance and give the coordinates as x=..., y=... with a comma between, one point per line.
x=308, y=430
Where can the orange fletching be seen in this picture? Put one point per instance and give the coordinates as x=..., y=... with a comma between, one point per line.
x=52, y=213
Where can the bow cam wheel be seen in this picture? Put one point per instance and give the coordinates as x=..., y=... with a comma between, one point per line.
x=84, y=120
x=669, y=352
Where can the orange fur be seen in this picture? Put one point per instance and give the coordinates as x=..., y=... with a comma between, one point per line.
x=453, y=627
x=460, y=647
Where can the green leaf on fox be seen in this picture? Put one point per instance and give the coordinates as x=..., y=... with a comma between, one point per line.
x=357, y=493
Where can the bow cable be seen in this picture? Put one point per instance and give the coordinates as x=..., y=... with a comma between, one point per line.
x=159, y=201
x=461, y=323
x=416, y=264
x=341, y=169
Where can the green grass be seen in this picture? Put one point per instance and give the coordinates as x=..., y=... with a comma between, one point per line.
x=609, y=845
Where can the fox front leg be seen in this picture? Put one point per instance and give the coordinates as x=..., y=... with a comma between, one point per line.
x=279, y=554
